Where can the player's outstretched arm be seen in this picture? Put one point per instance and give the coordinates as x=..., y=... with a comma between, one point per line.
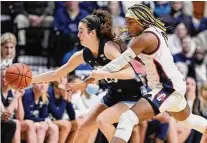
x=124, y=74
x=120, y=62
x=55, y=75
x=145, y=42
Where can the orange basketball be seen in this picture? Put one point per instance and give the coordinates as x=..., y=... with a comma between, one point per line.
x=18, y=76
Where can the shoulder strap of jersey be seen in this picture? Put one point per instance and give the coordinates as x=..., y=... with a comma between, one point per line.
x=101, y=45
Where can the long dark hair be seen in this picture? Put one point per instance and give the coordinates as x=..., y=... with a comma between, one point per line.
x=100, y=21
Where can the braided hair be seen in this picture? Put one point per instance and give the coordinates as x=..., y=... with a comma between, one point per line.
x=145, y=17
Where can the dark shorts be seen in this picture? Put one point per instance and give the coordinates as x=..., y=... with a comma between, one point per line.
x=7, y=131
x=110, y=100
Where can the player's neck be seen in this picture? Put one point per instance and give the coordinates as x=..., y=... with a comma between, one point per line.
x=94, y=47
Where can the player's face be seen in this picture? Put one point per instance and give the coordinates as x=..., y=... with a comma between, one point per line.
x=83, y=34
x=134, y=28
x=7, y=50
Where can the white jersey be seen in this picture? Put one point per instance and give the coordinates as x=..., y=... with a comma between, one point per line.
x=159, y=65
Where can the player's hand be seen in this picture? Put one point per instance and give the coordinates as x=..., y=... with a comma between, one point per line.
x=100, y=74
x=19, y=93
x=6, y=115
x=71, y=87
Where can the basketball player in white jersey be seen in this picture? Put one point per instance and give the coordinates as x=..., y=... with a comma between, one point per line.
x=167, y=83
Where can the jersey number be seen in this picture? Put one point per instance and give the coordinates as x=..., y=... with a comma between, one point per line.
x=110, y=80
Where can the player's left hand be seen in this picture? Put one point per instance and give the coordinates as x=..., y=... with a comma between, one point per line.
x=100, y=74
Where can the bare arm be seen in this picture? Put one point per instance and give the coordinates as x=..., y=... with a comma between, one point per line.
x=2, y=107
x=13, y=105
x=72, y=63
x=145, y=42
x=20, y=110
x=112, y=51
x=15, y=101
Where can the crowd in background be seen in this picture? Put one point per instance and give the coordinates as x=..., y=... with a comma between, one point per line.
x=46, y=112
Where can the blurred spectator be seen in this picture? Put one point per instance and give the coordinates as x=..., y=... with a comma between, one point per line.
x=35, y=14
x=117, y=20
x=12, y=104
x=200, y=108
x=24, y=127
x=58, y=97
x=203, y=24
x=90, y=6
x=157, y=129
x=200, y=40
x=8, y=49
x=161, y=8
x=58, y=5
x=186, y=54
x=183, y=68
x=149, y=4
x=66, y=20
x=198, y=68
x=174, y=40
x=35, y=101
x=84, y=101
x=65, y=24
x=190, y=91
x=61, y=109
x=9, y=10
x=198, y=11
x=176, y=16
x=127, y=4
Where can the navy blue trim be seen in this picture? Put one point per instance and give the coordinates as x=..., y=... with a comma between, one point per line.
x=166, y=82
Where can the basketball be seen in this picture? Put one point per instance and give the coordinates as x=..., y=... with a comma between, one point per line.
x=18, y=76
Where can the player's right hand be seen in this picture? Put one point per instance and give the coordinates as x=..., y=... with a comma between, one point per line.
x=5, y=116
x=81, y=86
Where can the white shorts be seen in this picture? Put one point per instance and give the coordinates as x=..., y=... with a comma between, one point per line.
x=167, y=99
x=129, y=103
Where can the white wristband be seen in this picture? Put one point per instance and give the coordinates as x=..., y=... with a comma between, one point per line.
x=120, y=62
